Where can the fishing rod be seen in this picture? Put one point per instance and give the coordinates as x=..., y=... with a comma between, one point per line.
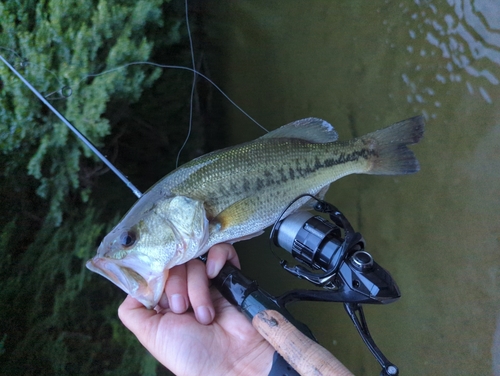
x=333, y=257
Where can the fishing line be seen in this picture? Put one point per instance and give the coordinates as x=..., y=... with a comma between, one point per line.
x=181, y=68
x=15, y=53
x=193, y=86
x=66, y=91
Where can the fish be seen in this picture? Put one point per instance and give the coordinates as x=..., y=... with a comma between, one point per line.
x=235, y=193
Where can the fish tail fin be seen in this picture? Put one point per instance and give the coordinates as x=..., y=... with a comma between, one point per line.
x=390, y=144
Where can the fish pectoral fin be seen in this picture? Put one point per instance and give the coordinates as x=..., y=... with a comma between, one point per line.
x=237, y=213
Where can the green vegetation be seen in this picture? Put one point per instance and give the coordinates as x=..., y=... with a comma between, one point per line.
x=56, y=318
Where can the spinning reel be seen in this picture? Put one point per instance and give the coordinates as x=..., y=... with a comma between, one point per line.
x=347, y=272
x=332, y=256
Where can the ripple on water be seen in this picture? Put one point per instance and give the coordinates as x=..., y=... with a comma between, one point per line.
x=462, y=46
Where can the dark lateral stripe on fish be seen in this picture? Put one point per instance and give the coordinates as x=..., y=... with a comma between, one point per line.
x=301, y=170
x=354, y=156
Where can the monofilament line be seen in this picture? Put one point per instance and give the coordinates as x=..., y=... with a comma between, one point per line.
x=181, y=68
x=74, y=130
x=193, y=87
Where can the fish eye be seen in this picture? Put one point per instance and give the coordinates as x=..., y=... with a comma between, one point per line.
x=128, y=238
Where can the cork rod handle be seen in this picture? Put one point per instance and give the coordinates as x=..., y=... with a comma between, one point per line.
x=306, y=356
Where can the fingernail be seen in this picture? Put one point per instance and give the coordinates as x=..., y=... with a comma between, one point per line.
x=177, y=303
x=204, y=315
x=210, y=269
x=163, y=303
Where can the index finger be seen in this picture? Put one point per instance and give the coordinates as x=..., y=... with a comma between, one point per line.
x=217, y=257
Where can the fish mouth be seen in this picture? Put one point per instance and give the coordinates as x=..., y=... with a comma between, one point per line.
x=144, y=285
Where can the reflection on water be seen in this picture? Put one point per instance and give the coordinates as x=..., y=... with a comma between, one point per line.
x=464, y=40
x=361, y=66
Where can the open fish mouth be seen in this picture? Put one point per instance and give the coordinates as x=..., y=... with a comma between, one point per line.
x=146, y=287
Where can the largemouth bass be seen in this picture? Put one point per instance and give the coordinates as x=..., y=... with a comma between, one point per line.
x=235, y=193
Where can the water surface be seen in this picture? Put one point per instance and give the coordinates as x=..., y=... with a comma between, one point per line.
x=361, y=66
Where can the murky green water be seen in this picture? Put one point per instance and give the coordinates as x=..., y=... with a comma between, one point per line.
x=363, y=65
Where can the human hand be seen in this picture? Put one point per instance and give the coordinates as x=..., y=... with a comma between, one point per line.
x=213, y=338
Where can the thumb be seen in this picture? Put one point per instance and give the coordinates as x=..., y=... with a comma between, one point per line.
x=137, y=318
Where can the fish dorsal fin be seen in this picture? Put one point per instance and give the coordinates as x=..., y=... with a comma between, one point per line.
x=310, y=129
